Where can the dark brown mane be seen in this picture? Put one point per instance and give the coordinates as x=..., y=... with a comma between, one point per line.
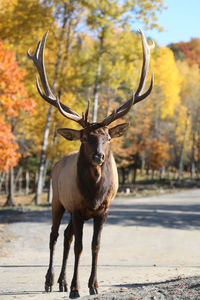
x=93, y=188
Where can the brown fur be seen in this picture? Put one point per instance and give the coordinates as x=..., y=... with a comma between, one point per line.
x=80, y=190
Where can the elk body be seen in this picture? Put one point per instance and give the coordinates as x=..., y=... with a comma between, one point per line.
x=84, y=182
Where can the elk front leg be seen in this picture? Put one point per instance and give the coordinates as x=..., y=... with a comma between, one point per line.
x=98, y=225
x=77, y=221
x=68, y=236
x=57, y=214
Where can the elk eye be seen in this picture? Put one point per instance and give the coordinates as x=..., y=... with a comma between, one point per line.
x=108, y=139
x=84, y=139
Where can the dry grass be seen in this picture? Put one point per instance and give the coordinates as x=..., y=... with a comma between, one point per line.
x=23, y=200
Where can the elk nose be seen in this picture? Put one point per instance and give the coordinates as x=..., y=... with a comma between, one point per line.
x=98, y=158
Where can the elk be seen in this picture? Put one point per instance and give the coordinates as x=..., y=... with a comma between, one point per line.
x=84, y=182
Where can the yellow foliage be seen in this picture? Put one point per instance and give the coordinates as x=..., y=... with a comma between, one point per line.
x=167, y=81
x=190, y=83
x=187, y=112
x=20, y=18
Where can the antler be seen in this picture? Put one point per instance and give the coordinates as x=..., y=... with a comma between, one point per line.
x=137, y=97
x=38, y=59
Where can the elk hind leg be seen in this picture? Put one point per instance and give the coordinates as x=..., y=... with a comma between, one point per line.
x=57, y=213
x=68, y=236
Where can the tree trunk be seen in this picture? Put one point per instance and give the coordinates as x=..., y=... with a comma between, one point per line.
x=42, y=157
x=10, y=199
x=180, y=171
x=134, y=175
x=20, y=182
x=35, y=181
x=6, y=183
x=109, y=103
x=162, y=172
x=147, y=173
x=142, y=164
x=192, y=161
x=27, y=182
x=2, y=179
x=50, y=191
x=45, y=169
x=17, y=178
x=98, y=75
x=123, y=175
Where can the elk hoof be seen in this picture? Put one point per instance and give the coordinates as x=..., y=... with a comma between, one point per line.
x=48, y=288
x=63, y=287
x=49, y=281
x=93, y=291
x=74, y=294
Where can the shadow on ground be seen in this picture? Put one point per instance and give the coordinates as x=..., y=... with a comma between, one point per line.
x=125, y=214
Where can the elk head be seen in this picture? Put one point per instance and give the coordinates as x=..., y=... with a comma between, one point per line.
x=95, y=141
x=95, y=137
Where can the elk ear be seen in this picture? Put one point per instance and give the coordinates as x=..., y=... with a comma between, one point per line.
x=118, y=130
x=70, y=134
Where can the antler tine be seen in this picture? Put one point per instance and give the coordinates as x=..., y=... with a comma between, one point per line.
x=137, y=97
x=145, y=66
x=87, y=112
x=119, y=112
x=68, y=115
x=38, y=60
x=146, y=94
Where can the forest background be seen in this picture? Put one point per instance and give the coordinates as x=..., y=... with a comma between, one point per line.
x=94, y=52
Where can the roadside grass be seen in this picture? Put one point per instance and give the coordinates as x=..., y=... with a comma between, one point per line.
x=142, y=188
x=26, y=201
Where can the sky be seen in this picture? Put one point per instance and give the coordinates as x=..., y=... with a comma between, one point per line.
x=181, y=22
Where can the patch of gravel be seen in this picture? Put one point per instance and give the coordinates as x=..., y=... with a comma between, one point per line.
x=177, y=289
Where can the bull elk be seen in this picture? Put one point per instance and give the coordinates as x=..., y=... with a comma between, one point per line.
x=84, y=182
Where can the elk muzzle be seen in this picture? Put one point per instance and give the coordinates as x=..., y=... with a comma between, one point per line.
x=98, y=159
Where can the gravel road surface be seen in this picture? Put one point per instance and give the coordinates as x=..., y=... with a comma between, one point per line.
x=150, y=249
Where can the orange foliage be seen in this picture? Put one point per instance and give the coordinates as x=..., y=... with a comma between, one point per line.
x=190, y=50
x=142, y=141
x=159, y=153
x=8, y=149
x=13, y=95
x=13, y=99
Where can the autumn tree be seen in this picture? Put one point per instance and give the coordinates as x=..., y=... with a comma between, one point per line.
x=187, y=130
x=148, y=141
x=104, y=17
x=102, y=62
x=67, y=15
x=8, y=148
x=14, y=100
x=188, y=61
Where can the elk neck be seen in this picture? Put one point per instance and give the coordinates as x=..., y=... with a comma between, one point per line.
x=93, y=181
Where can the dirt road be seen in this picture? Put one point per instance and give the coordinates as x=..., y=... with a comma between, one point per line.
x=147, y=245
